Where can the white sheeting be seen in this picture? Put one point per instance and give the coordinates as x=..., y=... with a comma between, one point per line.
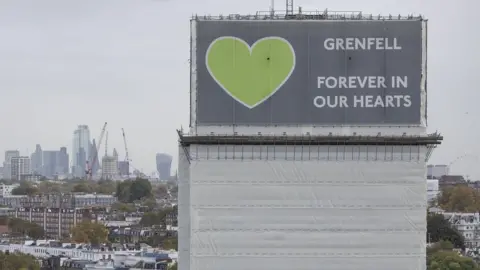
x=308, y=214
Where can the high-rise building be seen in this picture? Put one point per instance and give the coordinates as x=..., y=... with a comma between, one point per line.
x=20, y=166
x=7, y=165
x=109, y=167
x=80, y=150
x=36, y=160
x=95, y=162
x=62, y=161
x=164, y=166
x=124, y=168
x=50, y=163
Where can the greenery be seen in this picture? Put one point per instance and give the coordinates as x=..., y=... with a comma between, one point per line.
x=89, y=232
x=18, y=261
x=173, y=266
x=461, y=198
x=24, y=227
x=438, y=229
x=441, y=256
x=157, y=217
x=130, y=191
x=124, y=207
x=25, y=188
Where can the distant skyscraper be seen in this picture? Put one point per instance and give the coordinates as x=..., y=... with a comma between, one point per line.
x=80, y=150
x=164, y=166
x=50, y=163
x=96, y=162
x=123, y=168
x=20, y=166
x=62, y=161
x=36, y=160
x=7, y=165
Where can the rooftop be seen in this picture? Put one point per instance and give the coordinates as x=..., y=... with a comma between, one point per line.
x=316, y=15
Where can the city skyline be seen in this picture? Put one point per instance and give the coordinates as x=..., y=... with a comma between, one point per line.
x=68, y=63
x=63, y=161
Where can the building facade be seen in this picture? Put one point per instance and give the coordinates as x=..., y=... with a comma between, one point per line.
x=67, y=201
x=7, y=164
x=6, y=190
x=56, y=222
x=20, y=166
x=37, y=160
x=110, y=167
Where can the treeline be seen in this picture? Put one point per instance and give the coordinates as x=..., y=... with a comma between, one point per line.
x=22, y=228
x=18, y=261
x=461, y=198
x=128, y=191
x=441, y=255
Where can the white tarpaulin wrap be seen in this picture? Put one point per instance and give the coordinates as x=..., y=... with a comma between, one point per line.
x=318, y=208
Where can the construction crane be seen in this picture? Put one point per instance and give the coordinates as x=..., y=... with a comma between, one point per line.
x=127, y=159
x=89, y=172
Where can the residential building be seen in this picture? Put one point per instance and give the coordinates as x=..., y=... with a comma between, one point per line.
x=56, y=222
x=468, y=224
x=66, y=201
x=85, y=200
x=7, y=165
x=20, y=166
x=6, y=190
x=164, y=166
x=80, y=150
x=451, y=180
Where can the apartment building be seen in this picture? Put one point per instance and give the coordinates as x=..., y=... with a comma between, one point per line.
x=20, y=167
x=66, y=201
x=56, y=222
x=6, y=190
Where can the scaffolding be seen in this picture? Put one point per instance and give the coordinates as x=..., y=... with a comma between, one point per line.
x=315, y=15
x=271, y=147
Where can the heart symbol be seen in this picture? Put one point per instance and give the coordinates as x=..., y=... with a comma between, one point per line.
x=250, y=74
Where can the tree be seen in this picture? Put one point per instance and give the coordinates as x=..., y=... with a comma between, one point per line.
x=124, y=207
x=173, y=266
x=17, y=261
x=161, y=191
x=441, y=257
x=460, y=198
x=106, y=187
x=438, y=229
x=49, y=187
x=82, y=187
x=90, y=232
x=25, y=188
x=156, y=218
x=130, y=191
x=170, y=243
x=27, y=228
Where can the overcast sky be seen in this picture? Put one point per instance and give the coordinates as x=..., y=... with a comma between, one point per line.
x=65, y=63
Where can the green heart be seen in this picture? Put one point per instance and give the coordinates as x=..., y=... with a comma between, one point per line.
x=250, y=74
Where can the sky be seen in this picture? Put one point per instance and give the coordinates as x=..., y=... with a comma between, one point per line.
x=125, y=62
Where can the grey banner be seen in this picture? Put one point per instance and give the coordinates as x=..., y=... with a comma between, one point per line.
x=308, y=72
